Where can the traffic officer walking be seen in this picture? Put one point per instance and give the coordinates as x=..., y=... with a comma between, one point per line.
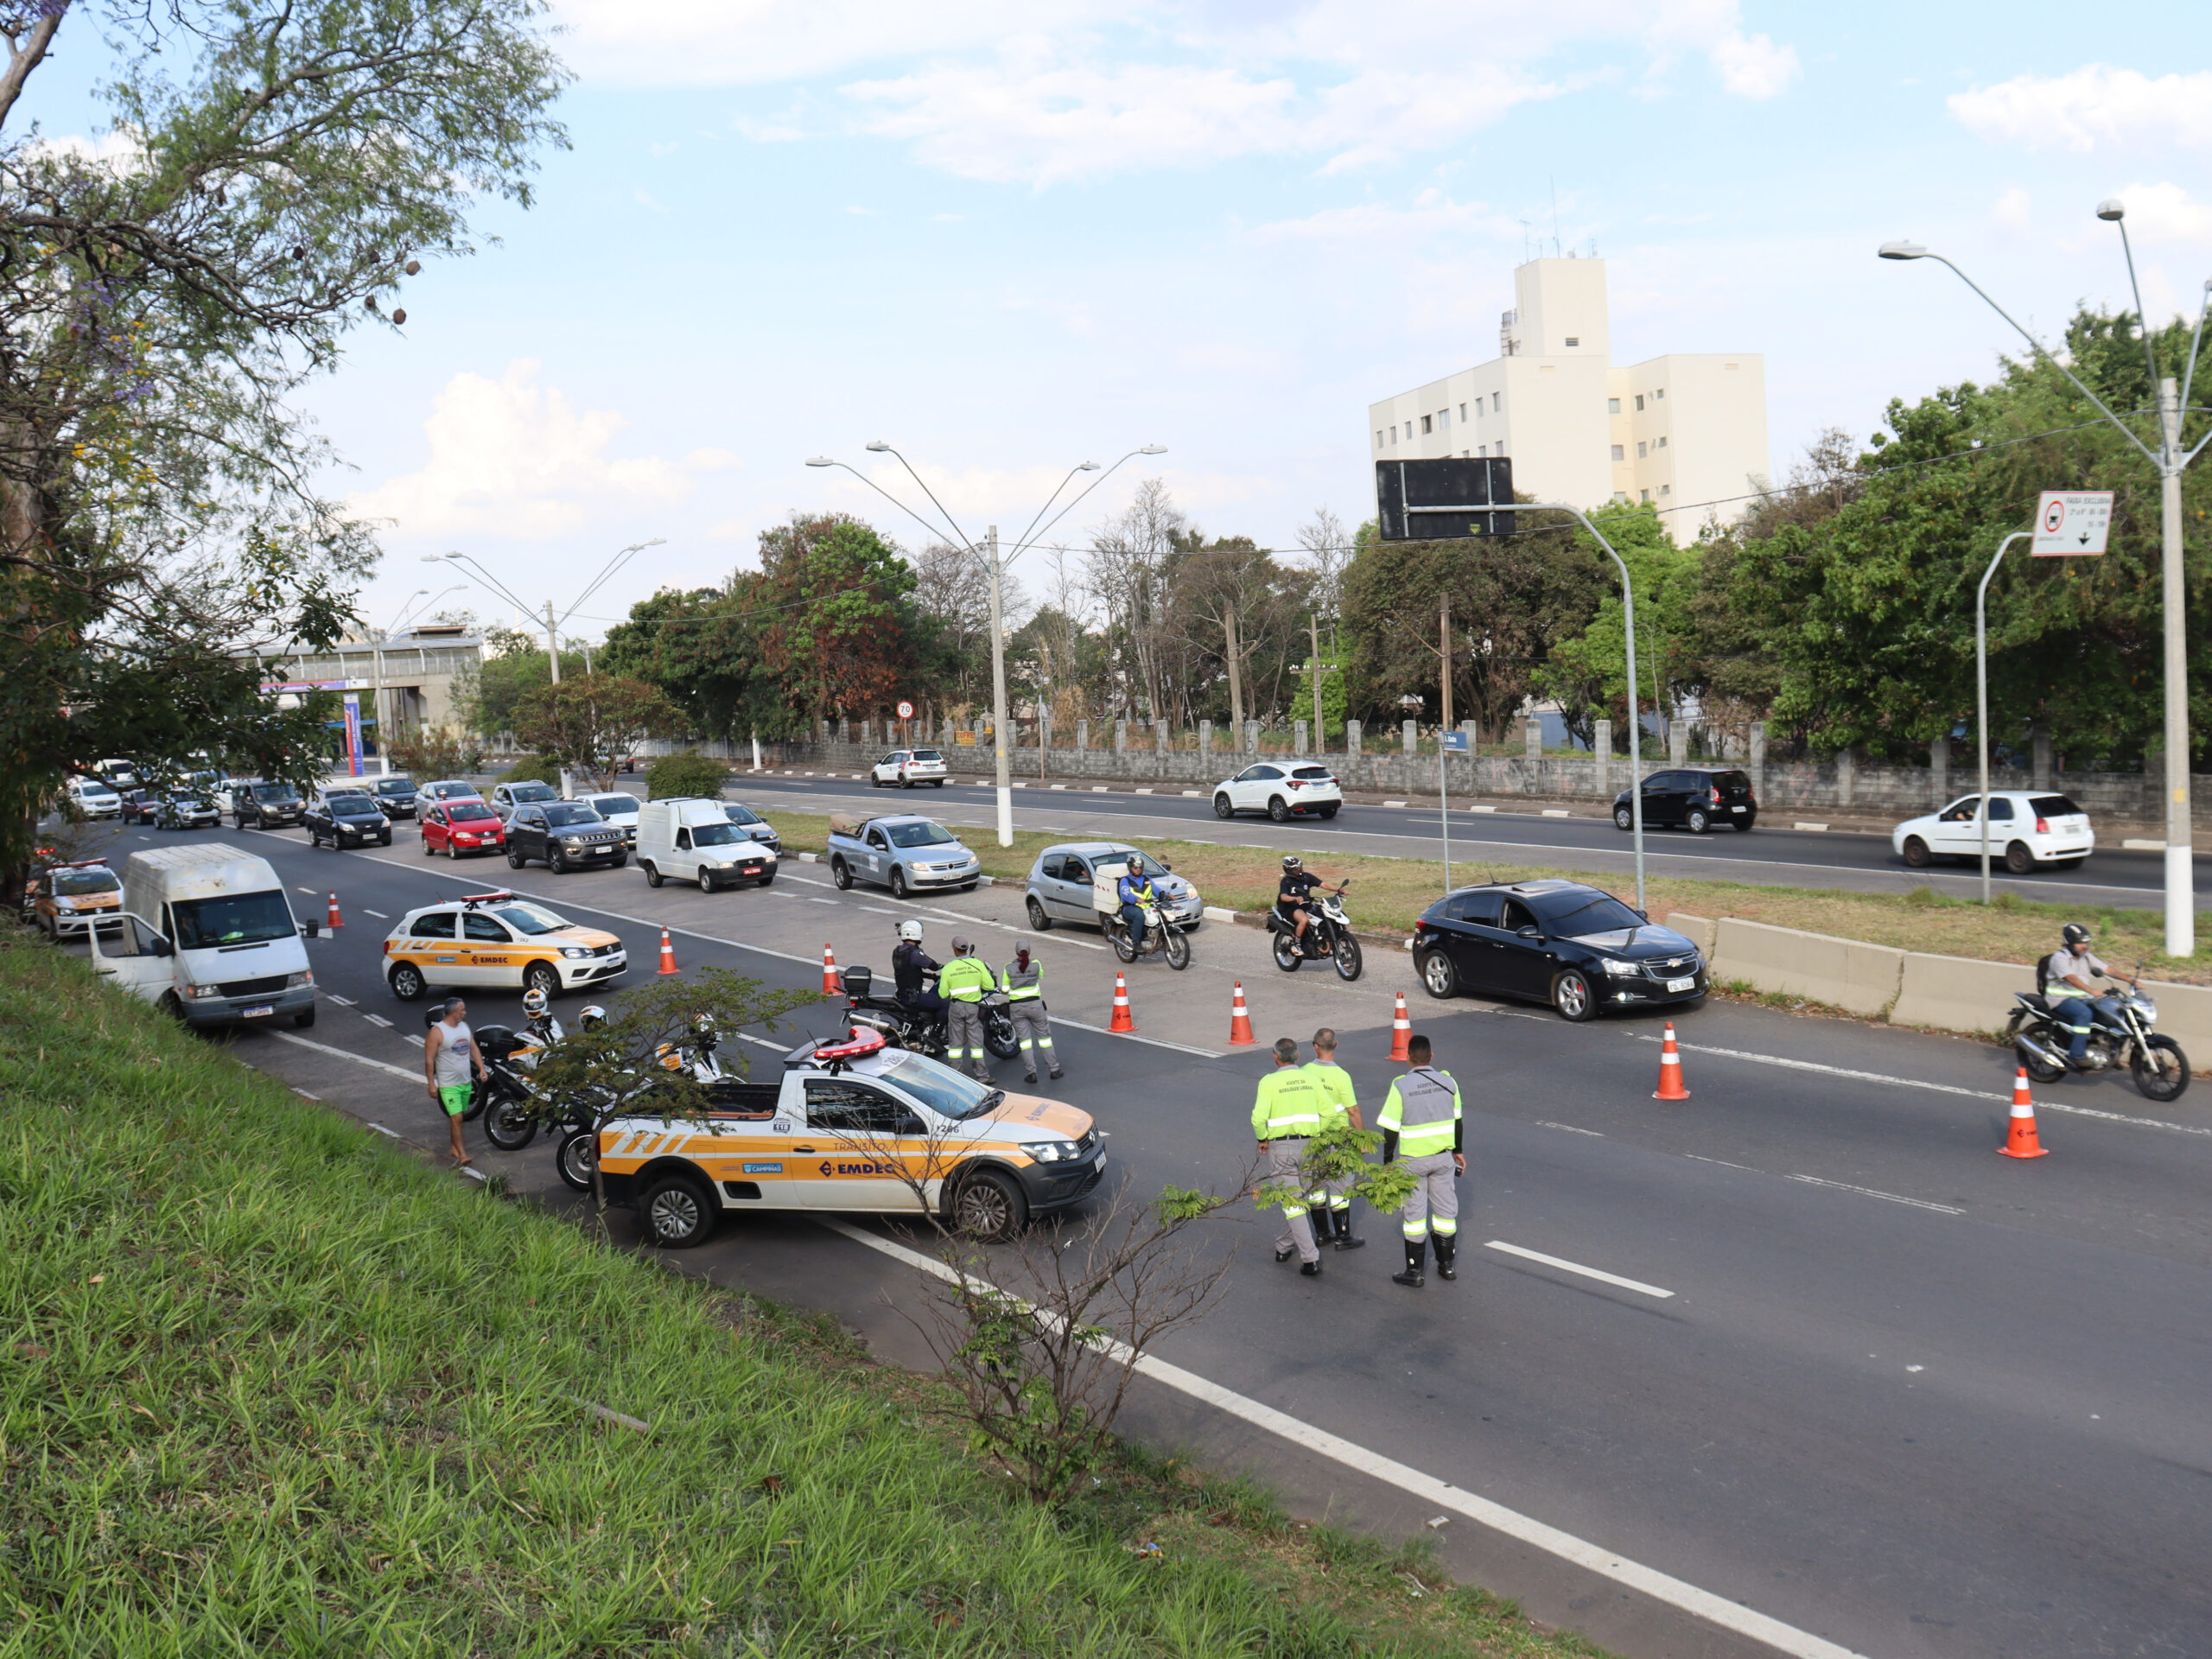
x=1330, y=1203
x=962, y=982
x=1286, y=1115
x=1023, y=982
x=1421, y=1123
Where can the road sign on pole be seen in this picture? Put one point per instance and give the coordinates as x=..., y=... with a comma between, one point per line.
x=906, y=710
x=2072, y=522
x=1448, y=743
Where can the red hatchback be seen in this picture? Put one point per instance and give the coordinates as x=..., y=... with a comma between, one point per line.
x=458, y=827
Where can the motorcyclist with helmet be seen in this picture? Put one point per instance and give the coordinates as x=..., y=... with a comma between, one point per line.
x=909, y=965
x=2071, y=967
x=537, y=1009
x=1296, y=887
x=1136, y=893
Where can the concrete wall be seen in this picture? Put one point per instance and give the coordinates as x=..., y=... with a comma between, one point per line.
x=1846, y=974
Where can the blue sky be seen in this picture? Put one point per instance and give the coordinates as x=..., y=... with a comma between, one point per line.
x=1009, y=237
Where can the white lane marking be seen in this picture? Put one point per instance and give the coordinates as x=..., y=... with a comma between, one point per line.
x=1576, y=1267
x=394, y=1134
x=811, y=900
x=311, y=889
x=379, y=914
x=303, y=1093
x=1545, y=1123
x=1132, y=1037
x=1723, y=1162
x=418, y=1041
x=1920, y=1082
x=1660, y=1587
x=1557, y=812
x=377, y=1019
x=342, y=1002
x=1875, y=1192
x=880, y=909
x=348, y=1054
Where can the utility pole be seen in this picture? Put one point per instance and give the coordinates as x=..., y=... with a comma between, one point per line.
x=1444, y=651
x=998, y=690
x=552, y=644
x=1320, y=732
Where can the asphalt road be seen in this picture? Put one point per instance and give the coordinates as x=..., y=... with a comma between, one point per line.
x=1768, y=855
x=1905, y=1394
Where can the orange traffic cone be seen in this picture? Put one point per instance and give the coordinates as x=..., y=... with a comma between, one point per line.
x=1401, y=1032
x=1239, y=1022
x=830, y=987
x=1671, y=1070
x=2020, y=1133
x=667, y=954
x=336, y=921
x=1121, y=1020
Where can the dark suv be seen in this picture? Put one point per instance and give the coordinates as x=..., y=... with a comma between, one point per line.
x=396, y=794
x=346, y=818
x=566, y=834
x=1695, y=798
x=265, y=805
x=1578, y=948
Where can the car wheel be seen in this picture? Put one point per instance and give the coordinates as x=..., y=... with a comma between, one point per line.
x=769, y=879
x=1279, y=809
x=905, y=782
x=1038, y=918
x=2019, y=859
x=989, y=1207
x=936, y=783
x=540, y=977
x=1745, y=823
x=1328, y=811
x=620, y=859
x=841, y=875
x=514, y=859
x=1915, y=853
x=1623, y=818
x=1696, y=821
x=430, y=848
x=406, y=981
x=1438, y=976
x=557, y=860
x=677, y=1211
x=1222, y=808
x=706, y=879
x=898, y=882
x=652, y=875
x=1572, y=996
x=385, y=840
x=303, y=1020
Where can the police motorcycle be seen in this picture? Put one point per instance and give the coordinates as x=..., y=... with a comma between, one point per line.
x=1328, y=935
x=506, y=1099
x=922, y=1030
x=2120, y=1034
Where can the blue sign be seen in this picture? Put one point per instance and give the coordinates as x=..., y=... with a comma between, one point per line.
x=353, y=734
x=1452, y=742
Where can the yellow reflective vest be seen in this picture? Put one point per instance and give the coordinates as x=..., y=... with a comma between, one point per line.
x=1290, y=1103
x=1423, y=1112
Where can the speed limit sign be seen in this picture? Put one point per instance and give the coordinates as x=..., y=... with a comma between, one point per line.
x=906, y=711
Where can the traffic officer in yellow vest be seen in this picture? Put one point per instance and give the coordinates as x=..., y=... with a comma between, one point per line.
x=1288, y=1115
x=962, y=982
x=1421, y=1123
x=1329, y=1205
x=1023, y=982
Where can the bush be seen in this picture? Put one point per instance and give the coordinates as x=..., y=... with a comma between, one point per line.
x=688, y=773
x=533, y=769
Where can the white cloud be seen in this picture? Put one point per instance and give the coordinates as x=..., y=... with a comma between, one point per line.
x=114, y=152
x=2165, y=213
x=1432, y=213
x=2094, y=105
x=2013, y=208
x=510, y=458
x=1753, y=65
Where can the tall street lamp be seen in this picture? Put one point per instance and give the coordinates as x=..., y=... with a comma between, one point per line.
x=2170, y=460
x=552, y=624
x=988, y=551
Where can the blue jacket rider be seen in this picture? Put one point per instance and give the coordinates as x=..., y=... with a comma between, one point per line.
x=1133, y=889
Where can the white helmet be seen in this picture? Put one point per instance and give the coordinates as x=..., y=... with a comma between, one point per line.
x=911, y=931
x=534, y=1002
x=590, y=1017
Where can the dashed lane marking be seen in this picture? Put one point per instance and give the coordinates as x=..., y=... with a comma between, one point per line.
x=377, y=1019
x=1545, y=1123
x=1873, y=1193
x=379, y=914
x=1598, y=1273
x=348, y=1054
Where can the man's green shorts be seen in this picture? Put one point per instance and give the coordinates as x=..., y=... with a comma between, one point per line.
x=455, y=1098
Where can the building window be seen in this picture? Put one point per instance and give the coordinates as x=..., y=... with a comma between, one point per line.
x=1669, y=489
x=1619, y=452
x=1496, y=402
x=1484, y=448
x=1613, y=405
x=1501, y=450
x=1663, y=444
x=1661, y=392
x=1727, y=366
x=1463, y=414
x=1576, y=339
x=1646, y=494
x=1621, y=496
x=1378, y=440
x=1641, y=450
x=1639, y=403
x=1428, y=425
x=1393, y=432
x=1443, y=420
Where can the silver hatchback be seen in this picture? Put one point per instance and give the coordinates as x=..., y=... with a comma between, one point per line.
x=1059, y=885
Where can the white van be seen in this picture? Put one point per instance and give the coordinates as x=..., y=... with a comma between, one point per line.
x=207, y=931
x=689, y=838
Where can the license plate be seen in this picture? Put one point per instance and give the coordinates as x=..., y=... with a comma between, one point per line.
x=1682, y=985
x=250, y=1013
x=1735, y=809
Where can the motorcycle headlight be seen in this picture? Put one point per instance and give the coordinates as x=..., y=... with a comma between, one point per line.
x=2145, y=1007
x=1619, y=969
x=573, y=951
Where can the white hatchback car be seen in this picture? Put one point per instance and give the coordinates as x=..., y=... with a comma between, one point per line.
x=94, y=799
x=620, y=811
x=2027, y=828
x=1281, y=789
x=904, y=768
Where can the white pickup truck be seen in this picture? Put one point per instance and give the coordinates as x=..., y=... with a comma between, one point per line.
x=852, y=1125
x=904, y=853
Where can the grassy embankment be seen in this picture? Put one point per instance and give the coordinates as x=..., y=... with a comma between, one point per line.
x=1388, y=894
x=270, y=1384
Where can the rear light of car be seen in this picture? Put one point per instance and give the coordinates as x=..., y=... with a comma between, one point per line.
x=1716, y=795
x=2043, y=826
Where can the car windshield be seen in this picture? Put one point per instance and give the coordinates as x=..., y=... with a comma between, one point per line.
x=275, y=792
x=717, y=835
x=927, y=754
x=1309, y=772
x=75, y=884
x=1575, y=914
x=530, y=919
x=566, y=815
x=236, y=919
x=918, y=835
x=2054, y=806
x=532, y=793
x=94, y=786
x=394, y=786
x=941, y=1089
x=609, y=805
x=743, y=814
x=469, y=811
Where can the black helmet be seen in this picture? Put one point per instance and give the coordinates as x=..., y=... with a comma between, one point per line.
x=2074, y=933
x=1292, y=862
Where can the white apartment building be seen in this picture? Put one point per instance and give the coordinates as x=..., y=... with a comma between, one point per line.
x=1685, y=432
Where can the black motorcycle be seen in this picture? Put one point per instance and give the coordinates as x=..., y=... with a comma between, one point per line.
x=2120, y=1034
x=922, y=1030
x=505, y=1098
x=1328, y=935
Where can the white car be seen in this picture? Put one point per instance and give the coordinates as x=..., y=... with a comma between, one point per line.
x=94, y=799
x=2027, y=829
x=904, y=768
x=620, y=811
x=1281, y=789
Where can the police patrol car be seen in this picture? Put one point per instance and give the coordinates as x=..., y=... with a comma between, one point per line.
x=496, y=940
x=852, y=1125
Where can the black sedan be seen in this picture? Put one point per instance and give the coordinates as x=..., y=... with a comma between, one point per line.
x=567, y=835
x=347, y=817
x=1577, y=948
x=1695, y=798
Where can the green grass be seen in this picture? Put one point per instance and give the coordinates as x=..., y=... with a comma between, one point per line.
x=269, y=1383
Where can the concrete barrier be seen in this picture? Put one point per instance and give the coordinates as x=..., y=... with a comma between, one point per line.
x=1958, y=993
x=1847, y=974
x=2185, y=1015
x=1697, y=930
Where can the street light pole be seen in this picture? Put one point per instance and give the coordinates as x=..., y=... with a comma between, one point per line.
x=1003, y=769
x=1981, y=692
x=2170, y=460
x=552, y=624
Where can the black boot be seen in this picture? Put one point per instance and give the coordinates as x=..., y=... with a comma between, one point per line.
x=1340, y=1223
x=1284, y=1252
x=1316, y=1217
x=1412, y=1278
x=1310, y=1269
x=1446, y=1243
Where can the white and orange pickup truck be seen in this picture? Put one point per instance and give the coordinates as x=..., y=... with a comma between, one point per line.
x=852, y=1125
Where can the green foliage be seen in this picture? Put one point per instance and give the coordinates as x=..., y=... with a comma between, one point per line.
x=427, y=753
x=514, y=665
x=1587, y=672
x=533, y=769
x=592, y=723
x=1339, y=1153
x=687, y=774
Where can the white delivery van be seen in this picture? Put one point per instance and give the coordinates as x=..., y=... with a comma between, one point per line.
x=207, y=931
x=690, y=838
